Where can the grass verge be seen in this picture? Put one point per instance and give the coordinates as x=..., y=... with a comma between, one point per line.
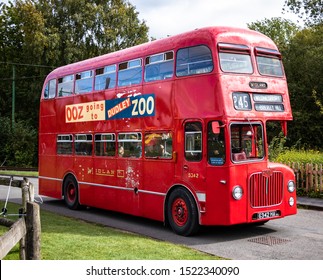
x=19, y=173
x=65, y=238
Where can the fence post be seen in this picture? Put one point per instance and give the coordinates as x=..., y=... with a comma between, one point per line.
x=33, y=232
x=27, y=194
x=24, y=199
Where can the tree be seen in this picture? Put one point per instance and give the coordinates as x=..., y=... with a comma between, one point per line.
x=302, y=51
x=88, y=28
x=311, y=11
x=37, y=33
x=280, y=30
x=303, y=65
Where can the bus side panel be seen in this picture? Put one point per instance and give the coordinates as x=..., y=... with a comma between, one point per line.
x=158, y=176
x=104, y=174
x=163, y=118
x=47, y=181
x=83, y=168
x=194, y=95
x=217, y=207
x=129, y=178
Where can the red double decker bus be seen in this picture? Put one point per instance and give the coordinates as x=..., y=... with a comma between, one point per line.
x=174, y=130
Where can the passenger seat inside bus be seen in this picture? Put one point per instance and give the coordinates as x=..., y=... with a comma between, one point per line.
x=239, y=156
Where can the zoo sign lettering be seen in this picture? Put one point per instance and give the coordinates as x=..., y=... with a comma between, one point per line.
x=119, y=108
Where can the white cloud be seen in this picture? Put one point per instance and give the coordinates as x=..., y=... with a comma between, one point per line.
x=173, y=17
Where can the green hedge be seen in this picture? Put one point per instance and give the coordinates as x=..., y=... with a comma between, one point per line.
x=302, y=156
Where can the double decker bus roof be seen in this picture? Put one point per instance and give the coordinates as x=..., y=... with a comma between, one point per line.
x=205, y=35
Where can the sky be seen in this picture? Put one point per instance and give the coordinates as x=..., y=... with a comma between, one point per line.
x=171, y=17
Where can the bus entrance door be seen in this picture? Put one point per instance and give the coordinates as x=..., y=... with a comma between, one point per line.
x=193, y=165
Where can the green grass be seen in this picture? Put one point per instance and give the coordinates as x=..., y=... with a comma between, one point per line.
x=70, y=239
x=19, y=173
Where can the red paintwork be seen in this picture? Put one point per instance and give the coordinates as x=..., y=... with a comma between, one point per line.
x=143, y=190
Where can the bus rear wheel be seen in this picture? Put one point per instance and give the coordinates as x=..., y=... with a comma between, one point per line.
x=182, y=212
x=71, y=193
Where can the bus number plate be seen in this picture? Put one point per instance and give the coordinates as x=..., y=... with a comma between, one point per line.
x=267, y=215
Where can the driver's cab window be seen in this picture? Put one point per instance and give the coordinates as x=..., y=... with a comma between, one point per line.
x=193, y=141
x=247, y=142
x=215, y=143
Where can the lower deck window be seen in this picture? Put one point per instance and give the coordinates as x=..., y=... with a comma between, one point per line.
x=158, y=145
x=193, y=141
x=83, y=144
x=105, y=145
x=64, y=144
x=129, y=145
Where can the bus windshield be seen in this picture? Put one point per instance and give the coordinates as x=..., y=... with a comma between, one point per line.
x=246, y=142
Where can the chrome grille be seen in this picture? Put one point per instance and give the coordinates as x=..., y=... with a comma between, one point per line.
x=266, y=190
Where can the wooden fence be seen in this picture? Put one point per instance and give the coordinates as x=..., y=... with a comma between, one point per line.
x=26, y=230
x=309, y=177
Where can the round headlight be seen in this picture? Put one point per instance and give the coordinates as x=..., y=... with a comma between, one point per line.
x=291, y=201
x=291, y=186
x=237, y=192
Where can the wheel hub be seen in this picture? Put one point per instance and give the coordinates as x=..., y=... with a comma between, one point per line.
x=180, y=212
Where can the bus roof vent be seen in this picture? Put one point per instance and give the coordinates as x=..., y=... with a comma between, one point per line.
x=226, y=47
x=267, y=52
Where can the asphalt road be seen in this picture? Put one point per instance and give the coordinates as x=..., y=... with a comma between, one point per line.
x=298, y=237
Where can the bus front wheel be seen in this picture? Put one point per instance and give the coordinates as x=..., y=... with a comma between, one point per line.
x=71, y=193
x=182, y=212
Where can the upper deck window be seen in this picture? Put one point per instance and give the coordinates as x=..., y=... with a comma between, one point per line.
x=50, y=89
x=65, y=85
x=235, y=58
x=84, y=82
x=194, y=60
x=159, y=67
x=269, y=62
x=130, y=72
x=105, y=77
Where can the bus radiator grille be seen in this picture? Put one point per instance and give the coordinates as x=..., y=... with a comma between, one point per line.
x=266, y=190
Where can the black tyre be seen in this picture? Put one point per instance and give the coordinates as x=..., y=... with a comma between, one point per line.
x=71, y=193
x=182, y=212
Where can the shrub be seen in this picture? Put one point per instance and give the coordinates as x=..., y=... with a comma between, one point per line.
x=301, y=156
x=18, y=144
